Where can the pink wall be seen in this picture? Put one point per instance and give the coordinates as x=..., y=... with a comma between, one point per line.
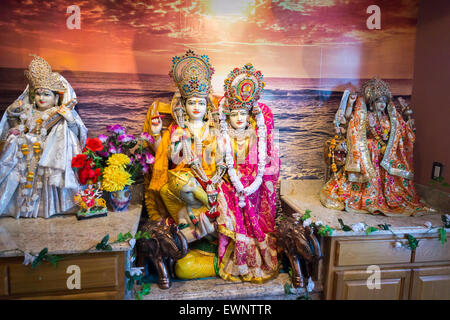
x=431, y=89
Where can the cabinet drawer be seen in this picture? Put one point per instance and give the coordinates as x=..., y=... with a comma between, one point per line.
x=432, y=250
x=3, y=280
x=96, y=271
x=367, y=252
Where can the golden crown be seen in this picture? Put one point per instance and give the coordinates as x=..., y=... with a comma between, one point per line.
x=243, y=87
x=192, y=74
x=40, y=75
x=375, y=88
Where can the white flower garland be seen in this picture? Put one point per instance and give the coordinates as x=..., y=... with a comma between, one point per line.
x=195, y=161
x=229, y=159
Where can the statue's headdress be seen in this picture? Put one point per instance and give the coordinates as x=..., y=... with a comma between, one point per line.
x=375, y=88
x=40, y=75
x=192, y=74
x=243, y=87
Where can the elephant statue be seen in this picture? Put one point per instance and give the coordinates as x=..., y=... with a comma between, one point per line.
x=301, y=247
x=166, y=245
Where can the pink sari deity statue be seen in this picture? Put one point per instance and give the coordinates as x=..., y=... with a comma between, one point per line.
x=377, y=173
x=247, y=245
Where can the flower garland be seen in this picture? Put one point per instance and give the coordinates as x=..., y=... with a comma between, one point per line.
x=33, y=121
x=194, y=161
x=229, y=159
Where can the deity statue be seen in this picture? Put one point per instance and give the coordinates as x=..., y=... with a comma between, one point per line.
x=374, y=147
x=188, y=157
x=247, y=245
x=41, y=134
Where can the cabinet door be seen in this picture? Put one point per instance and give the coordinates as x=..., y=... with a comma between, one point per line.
x=3, y=280
x=353, y=285
x=431, y=283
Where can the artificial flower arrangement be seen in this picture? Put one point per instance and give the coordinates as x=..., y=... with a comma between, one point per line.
x=125, y=159
x=89, y=170
x=112, y=163
x=125, y=151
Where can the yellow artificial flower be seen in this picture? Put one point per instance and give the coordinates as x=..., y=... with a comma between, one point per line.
x=100, y=202
x=118, y=160
x=115, y=178
x=79, y=201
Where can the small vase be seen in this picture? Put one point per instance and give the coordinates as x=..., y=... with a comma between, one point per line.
x=120, y=200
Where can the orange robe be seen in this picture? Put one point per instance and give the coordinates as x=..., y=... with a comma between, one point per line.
x=371, y=181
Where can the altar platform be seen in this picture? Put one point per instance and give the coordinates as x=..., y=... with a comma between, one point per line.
x=351, y=258
x=218, y=289
x=102, y=273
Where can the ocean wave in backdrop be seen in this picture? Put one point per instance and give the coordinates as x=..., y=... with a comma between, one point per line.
x=303, y=109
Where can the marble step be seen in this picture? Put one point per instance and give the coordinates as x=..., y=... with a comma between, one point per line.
x=218, y=289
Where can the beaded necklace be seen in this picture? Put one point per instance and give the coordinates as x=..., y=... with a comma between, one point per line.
x=33, y=123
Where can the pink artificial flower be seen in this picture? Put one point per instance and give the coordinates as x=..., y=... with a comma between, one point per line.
x=125, y=138
x=103, y=138
x=147, y=137
x=112, y=148
x=145, y=168
x=104, y=154
x=149, y=158
x=116, y=128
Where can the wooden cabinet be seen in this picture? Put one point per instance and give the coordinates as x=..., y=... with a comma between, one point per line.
x=101, y=277
x=423, y=273
x=431, y=283
x=3, y=280
x=420, y=274
x=431, y=249
x=353, y=285
x=363, y=252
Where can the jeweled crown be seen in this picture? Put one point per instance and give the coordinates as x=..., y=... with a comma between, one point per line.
x=243, y=87
x=192, y=74
x=40, y=75
x=375, y=88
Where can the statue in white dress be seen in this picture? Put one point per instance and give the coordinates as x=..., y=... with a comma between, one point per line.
x=40, y=133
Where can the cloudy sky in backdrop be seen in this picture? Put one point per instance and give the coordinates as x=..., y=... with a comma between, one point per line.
x=306, y=39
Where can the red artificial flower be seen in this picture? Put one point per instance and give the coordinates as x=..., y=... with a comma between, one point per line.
x=83, y=176
x=86, y=174
x=92, y=176
x=94, y=144
x=98, y=172
x=79, y=161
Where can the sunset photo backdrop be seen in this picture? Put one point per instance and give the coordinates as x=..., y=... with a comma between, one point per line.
x=308, y=51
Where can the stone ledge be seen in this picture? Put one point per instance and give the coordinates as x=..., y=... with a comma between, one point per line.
x=301, y=195
x=218, y=289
